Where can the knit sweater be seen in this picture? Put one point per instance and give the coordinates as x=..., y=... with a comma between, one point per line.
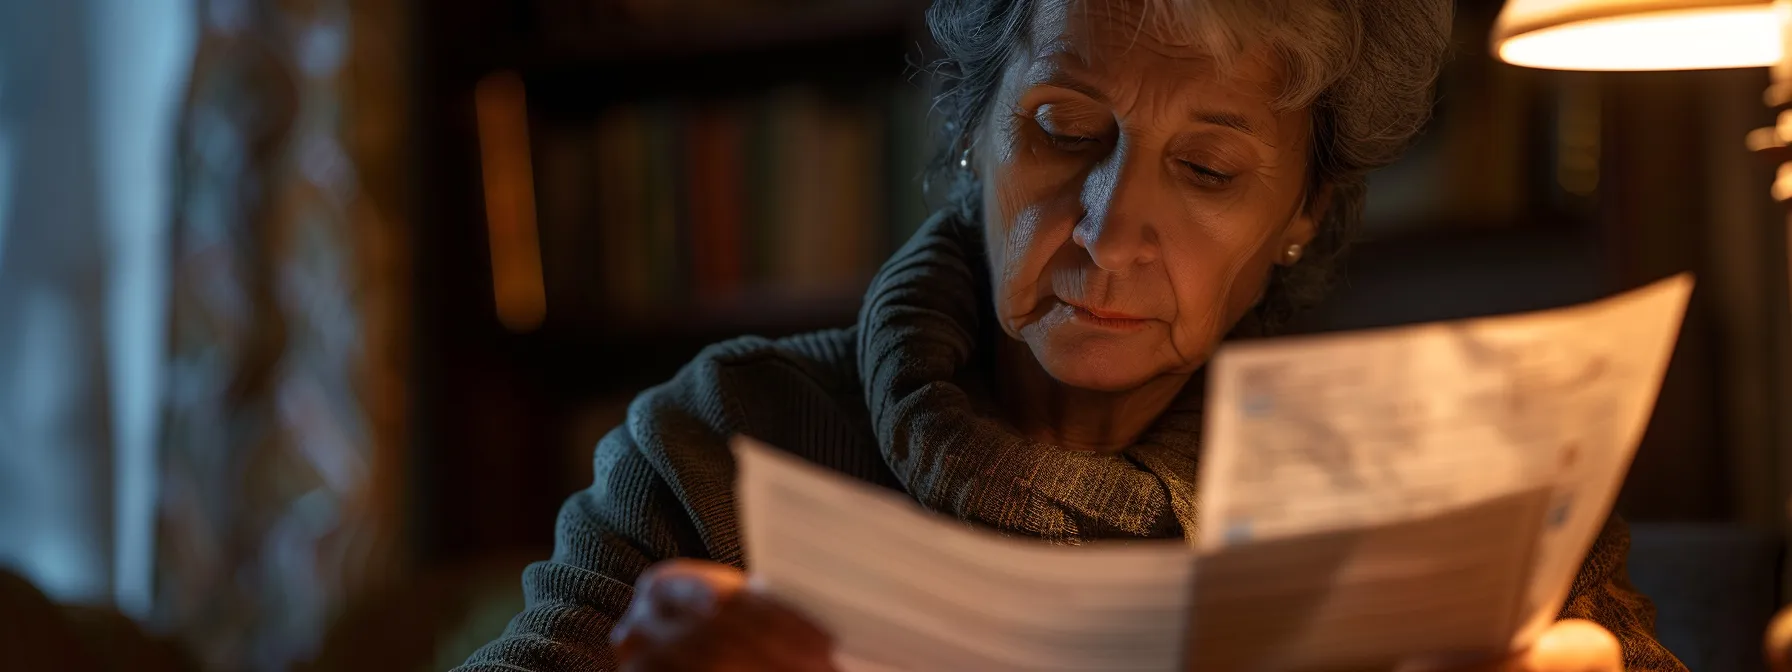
x=899, y=400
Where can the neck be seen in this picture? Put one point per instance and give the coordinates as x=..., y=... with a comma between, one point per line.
x=1047, y=410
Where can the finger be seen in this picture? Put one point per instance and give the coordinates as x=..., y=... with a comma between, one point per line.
x=689, y=611
x=719, y=591
x=777, y=633
x=1574, y=645
x=1466, y=662
x=1779, y=642
x=646, y=640
x=748, y=633
x=688, y=586
x=640, y=629
x=700, y=655
x=667, y=597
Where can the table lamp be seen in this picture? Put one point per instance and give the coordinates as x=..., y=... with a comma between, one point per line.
x=1631, y=35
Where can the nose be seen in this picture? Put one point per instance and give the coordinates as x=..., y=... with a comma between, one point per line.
x=1116, y=228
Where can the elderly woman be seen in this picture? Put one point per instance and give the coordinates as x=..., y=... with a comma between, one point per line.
x=1131, y=182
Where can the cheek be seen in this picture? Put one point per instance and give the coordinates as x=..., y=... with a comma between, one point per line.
x=1218, y=272
x=1027, y=221
x=1247, y=290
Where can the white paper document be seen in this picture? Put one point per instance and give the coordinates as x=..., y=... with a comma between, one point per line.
x=1371, y=500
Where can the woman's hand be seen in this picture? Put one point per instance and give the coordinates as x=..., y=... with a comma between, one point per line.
x=694, y=615
x=1571, y=645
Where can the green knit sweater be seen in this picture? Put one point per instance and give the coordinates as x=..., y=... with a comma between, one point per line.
x=897, y=401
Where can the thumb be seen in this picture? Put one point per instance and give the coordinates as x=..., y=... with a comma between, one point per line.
x=689, y=586
x=1779, y=642
x=1574, y=645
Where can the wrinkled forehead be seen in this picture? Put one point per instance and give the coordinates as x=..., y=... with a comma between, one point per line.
x=1194, y=28
x=1223, y=38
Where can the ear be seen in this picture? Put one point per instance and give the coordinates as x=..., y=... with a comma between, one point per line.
x=1305, y=225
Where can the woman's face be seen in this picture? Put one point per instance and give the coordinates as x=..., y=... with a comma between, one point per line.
x=1135, y=195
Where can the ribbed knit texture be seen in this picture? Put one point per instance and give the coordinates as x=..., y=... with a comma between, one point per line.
x=892, y=401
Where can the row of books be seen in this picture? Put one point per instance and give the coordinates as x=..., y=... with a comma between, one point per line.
x=665, y=205
x=581, y=18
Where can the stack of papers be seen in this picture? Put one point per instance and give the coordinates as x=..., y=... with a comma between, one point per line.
x=1399, y=498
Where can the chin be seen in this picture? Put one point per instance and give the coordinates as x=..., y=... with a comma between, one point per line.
x=1102, y=365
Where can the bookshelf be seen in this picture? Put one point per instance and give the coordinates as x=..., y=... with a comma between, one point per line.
x=611, y=185
x=571, y=36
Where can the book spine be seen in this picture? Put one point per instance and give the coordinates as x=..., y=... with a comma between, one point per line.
x=717, y=201
x=763, y=192
x=566, y=202
x=863, y=220
x=788, y=195
x=677, y=157
x=700, y=170
x=622, y=221
x=803, y=238
x=663, y=214
x=730, y=199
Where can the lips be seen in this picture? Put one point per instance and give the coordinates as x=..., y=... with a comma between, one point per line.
x=1103, y=313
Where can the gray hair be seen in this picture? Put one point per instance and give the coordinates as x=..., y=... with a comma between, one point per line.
x=1364, y=67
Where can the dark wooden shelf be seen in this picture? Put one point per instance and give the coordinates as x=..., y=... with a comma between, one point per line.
x=750, y=32
x=497, y=413
x=592, y=356
x=833, y=50
x=768, y=312
x=539, y=43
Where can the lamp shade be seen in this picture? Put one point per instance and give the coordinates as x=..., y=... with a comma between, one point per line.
x=1639, y=34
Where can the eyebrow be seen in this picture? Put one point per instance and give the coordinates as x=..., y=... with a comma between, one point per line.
x=1063, y=80
x=1235, y=121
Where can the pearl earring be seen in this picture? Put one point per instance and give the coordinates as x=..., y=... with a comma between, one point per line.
x=1292, y=254
x=964, y=160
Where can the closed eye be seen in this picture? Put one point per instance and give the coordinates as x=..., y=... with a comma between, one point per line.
x=1070, y=142
x=1208, y=176
x=1068, y=127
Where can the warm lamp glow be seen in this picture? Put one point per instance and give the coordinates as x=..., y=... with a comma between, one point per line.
x=1639, y=36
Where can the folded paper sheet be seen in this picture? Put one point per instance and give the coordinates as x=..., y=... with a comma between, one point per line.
x=1403, y=496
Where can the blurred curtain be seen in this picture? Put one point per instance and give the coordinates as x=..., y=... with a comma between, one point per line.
x=281, y=472
x=88, y=97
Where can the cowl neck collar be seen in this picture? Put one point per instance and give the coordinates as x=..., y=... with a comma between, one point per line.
x=925, y=331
